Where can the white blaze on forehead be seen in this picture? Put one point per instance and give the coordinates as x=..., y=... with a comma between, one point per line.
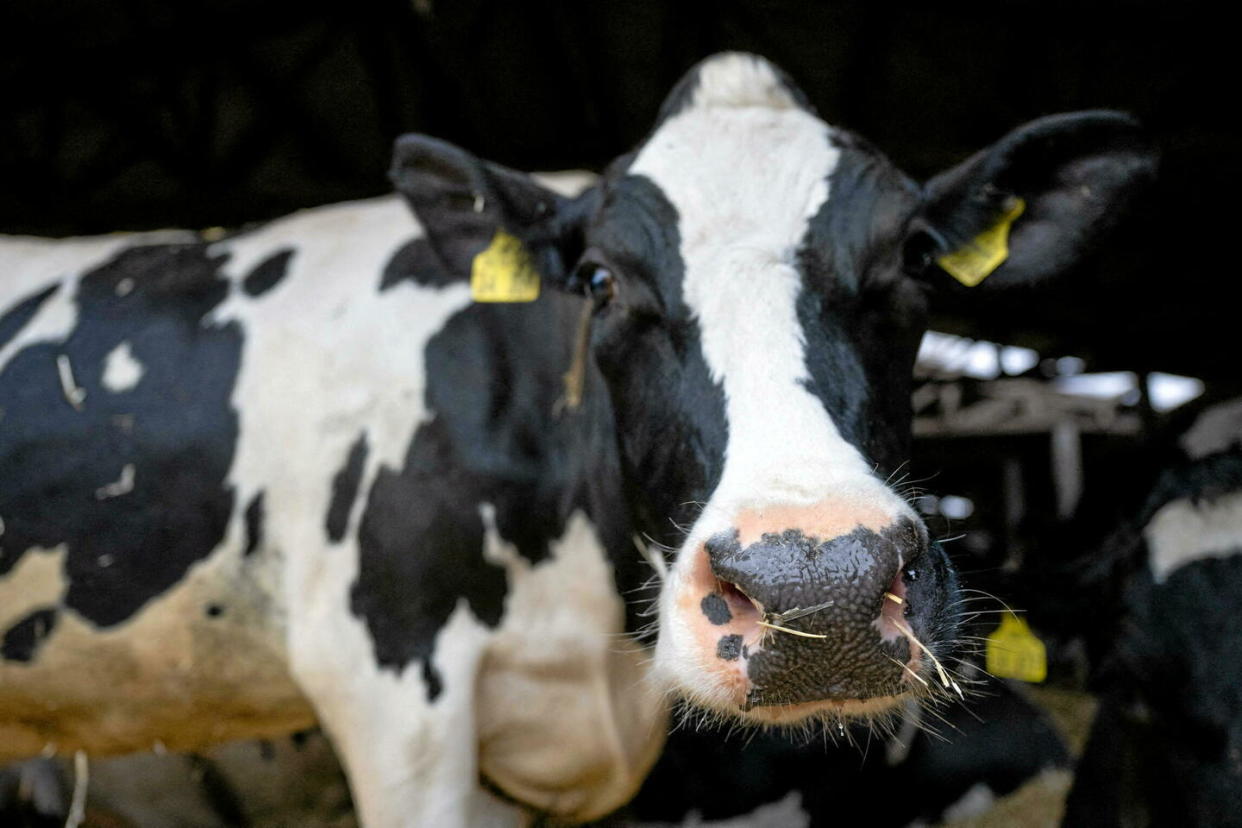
x=1183, y=532
x=746, y=171
x=122, y=370
x=739, y=80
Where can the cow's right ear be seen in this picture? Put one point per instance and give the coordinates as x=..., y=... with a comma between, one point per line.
x=463, y=201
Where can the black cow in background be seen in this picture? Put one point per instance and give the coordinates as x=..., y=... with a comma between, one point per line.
x=957, y=761
x=1166, y=746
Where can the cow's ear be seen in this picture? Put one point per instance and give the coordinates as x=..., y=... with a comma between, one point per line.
x=1035, y=203
x=463, y=202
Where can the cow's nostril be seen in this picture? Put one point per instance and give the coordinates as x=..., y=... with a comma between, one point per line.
x=741, y=606
x=894, y=608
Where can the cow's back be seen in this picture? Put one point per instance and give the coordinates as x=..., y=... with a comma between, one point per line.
x=178, y=453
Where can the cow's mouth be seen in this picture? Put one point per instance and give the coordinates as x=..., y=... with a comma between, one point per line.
x=831, y=710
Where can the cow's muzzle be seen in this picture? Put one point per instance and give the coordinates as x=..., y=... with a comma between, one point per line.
x=793, y=624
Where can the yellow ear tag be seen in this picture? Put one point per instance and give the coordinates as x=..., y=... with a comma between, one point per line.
x=504, y=272
x=973, y=263
x=1015, y=652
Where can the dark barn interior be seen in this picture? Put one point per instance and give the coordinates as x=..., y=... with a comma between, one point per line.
x=135, y=114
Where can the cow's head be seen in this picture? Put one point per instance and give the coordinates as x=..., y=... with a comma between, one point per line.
x=756, y=282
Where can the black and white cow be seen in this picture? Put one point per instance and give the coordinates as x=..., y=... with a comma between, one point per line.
x=1166, y=745
x=297, y=473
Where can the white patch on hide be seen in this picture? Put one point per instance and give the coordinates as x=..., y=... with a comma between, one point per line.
x=743, y=211
x=1182, y=532
x=32, y=264
x=325, y=358
x=122, y=371
x=1216, y=429
x=568, y=719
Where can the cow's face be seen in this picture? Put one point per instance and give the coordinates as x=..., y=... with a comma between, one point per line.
x=757, y=336
x=755, y=319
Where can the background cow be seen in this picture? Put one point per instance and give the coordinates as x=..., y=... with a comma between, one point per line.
x=1166, y=746
x=956, y=761
x=296, y=473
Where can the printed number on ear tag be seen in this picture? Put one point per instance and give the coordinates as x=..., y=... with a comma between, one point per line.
x=504, y=272
x=1015, y=652
x=973, y=263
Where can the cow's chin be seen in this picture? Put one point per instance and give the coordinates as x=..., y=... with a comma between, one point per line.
x=833, y=710
x=722, y=695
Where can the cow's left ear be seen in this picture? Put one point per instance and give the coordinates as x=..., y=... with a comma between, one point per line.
x=1035, y=203
x=463, y=201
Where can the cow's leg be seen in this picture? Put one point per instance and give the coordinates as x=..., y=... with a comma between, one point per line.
x=408, y=738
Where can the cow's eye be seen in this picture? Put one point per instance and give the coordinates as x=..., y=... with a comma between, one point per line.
x=917, y=255
x=597, y=282
x=922, y=244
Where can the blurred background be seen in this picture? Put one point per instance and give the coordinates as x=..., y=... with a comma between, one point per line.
x=137, y=114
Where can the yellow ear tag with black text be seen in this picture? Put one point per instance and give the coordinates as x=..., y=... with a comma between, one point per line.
x=1015, y=652
x=504, y=272
x=973, y=263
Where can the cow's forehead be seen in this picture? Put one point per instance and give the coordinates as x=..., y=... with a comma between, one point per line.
x=740, y=160
x=746, y=169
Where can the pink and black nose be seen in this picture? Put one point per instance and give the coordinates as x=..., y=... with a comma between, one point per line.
x=797, y=617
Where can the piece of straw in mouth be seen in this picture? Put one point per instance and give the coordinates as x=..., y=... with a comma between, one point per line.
x=799, y=612
x=944, y=676
x=788, y=630
x=790, y=615
x=896, y=599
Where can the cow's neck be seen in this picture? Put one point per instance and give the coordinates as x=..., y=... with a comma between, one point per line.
x=496, y=383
